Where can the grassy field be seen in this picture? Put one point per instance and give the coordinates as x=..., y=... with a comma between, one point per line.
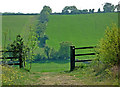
x=51, y=66
x=14, y=25
x=81, y=30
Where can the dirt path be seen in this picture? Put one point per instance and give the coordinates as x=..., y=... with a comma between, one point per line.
x=50, y=78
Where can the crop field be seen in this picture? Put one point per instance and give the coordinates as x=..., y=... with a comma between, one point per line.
x=80, y=30
x=13, y=25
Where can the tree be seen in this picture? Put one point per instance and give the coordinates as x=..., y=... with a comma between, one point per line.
x=108, y=7
x=20, y=48
x=33, y=45
x=117, y=7
x=47, y=51
x=70, y=9
x=99, y=10
x=64, y=50
x=43, y=41
x=92, y=10
x=108, y=49
x=46, y=11
x=43, y=20
x=84, y=11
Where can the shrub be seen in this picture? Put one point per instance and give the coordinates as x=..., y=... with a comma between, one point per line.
x=108, y=48
x=64, y=50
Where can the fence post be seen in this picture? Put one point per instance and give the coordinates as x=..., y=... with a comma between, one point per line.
x=20, y=60
x=72, y=58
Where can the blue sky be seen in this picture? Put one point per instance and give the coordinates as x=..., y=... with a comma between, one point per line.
x=35, y=6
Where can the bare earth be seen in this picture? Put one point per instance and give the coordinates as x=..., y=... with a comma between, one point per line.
x=50, y=78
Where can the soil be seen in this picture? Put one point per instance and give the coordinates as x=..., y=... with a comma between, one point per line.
x=50, y=78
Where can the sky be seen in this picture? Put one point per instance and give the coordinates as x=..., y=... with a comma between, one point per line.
x=35, y=6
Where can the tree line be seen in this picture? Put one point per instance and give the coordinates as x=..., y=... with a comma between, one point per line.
x=49, y=52
x=19, y=13
x=107, y=7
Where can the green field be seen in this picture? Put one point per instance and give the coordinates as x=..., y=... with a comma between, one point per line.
x=51, y=66
x=81, y=30
x=13, y=25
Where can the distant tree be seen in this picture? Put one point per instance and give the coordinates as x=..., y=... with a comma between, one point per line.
x=84, y=11
x=108, y=7
x=43, y=41
x=70, y=9
x=46, y=11
x=64, y=50
x=47, y=51
x=99, y=10
x=75, y=12
x=65, y=12
x=117, y=7
x=93, y=10
x=90, y=11
x=41, y=26
x=53, y=54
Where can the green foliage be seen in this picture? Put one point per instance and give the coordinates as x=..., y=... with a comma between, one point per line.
x=66, y=9
x=47, y=9
x=19, y=47
x=108, y=7
x=108, y=48
x=44, y=14
x=53, y=54
x=99, y=10
x=64, y=50
x=41, y=27
x=47, y=51
x=32, y=43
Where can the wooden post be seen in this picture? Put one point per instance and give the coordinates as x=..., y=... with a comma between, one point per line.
x=20, y=60
x=72, y=58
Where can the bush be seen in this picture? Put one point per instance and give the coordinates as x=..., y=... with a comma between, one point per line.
x=64, y=51
x=108, y=48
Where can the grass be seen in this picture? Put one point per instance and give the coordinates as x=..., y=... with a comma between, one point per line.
x=81, y=30
x=12, y=25
x=89, y=75
x=51, y=66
